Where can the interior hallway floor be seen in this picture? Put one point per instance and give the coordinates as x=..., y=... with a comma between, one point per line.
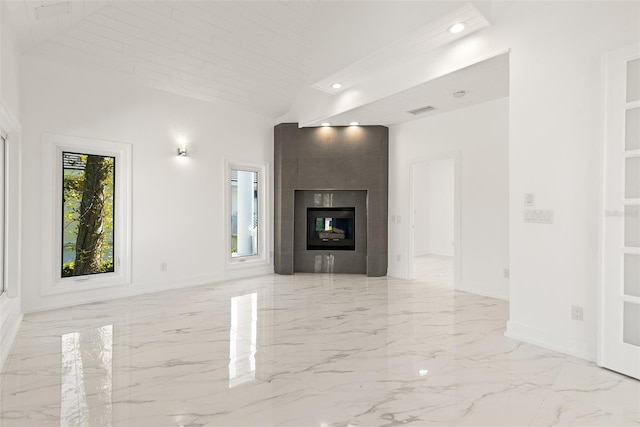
x=303, y=350
x=434, y=270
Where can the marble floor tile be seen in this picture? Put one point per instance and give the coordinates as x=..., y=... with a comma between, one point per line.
x=304, y=350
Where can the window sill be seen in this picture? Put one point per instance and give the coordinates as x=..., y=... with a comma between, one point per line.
x=246, y=262
x=84, y=283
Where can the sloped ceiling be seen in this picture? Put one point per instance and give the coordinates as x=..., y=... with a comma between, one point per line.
x=254, y=54
x=258, y=55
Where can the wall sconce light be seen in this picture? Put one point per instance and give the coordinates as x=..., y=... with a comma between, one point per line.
x=182, y=146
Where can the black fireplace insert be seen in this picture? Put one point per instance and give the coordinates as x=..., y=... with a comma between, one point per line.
x=331, y=229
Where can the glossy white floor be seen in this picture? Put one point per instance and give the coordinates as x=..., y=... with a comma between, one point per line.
x=302, y=350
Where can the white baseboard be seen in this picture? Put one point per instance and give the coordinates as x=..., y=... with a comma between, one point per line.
x=398, y=273
x=442, y=252
x=543, y=338
x=150, y=288
x=474, y=290
x=11, y=321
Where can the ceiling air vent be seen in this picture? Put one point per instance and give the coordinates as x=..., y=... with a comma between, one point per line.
x=421, y=110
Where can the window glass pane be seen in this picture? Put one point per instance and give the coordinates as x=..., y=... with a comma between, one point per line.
x=632, y=275
x=244, y=213
x=331, y=229
x=632, y=129
x=87, y=214
x=632, y=178
x=633, y=80
x=631, y=323
x=632, y=226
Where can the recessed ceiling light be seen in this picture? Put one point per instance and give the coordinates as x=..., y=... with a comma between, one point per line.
x=336, y=85
x=325, y=124
x=354, y=123
x=51, y=10
x=456, y=28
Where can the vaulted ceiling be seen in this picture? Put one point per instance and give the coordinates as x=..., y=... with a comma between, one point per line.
x=254, y=54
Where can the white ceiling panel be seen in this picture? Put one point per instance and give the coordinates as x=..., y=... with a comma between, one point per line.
x=481, y=82
x=402, y=52
x=254, y=54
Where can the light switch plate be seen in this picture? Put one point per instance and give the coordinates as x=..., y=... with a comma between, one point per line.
x=539, y=216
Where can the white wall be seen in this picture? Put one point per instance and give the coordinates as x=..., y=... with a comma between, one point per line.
x=10, y=304
x=433, y=208
x=177, y=202
x=555, y=121
x=480, y=135
x=9, y=64
x=555, y=140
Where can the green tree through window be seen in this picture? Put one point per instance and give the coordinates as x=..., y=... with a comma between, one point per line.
x=87, y=220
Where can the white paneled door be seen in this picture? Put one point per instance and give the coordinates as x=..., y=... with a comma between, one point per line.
x=619, y=340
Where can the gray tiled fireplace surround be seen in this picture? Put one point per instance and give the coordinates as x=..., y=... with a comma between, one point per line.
x=331, y=166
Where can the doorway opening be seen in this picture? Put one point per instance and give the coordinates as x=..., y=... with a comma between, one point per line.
x=435, y=218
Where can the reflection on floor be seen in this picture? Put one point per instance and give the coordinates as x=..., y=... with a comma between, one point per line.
x=303, y=350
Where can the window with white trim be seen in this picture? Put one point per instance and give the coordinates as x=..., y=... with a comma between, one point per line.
x=88, y=227
x=246, y=213
x=88, y=215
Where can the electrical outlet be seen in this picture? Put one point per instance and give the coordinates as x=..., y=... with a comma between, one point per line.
x=577, y=313
x=529, y=199
x=163, y=266
x=398, y=257
x=506, y=273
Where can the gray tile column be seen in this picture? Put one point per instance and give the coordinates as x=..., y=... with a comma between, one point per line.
x=324, y=159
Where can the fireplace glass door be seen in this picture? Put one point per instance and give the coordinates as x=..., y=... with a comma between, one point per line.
x=331, y=229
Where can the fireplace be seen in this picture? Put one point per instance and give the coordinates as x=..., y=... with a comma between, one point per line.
x=330, y=228
x=328, y=169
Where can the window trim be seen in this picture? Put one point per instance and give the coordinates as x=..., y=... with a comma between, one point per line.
x=52, y=149
x=4, y=205
x=262, y=258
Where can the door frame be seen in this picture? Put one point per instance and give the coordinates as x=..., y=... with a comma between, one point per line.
x=612, y=128
x=457, y=230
